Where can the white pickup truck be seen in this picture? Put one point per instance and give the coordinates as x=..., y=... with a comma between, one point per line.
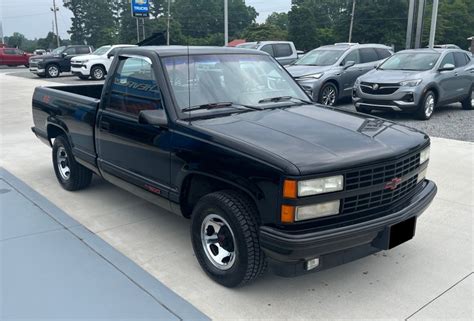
x=96, y=65
x=283, y=51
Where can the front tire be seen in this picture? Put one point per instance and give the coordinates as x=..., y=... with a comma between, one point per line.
x=71, y=175
x=97, y=73
x=52, y=71
x=328, y=94
x=426, y=107
x=225, y=239
x=468, y=102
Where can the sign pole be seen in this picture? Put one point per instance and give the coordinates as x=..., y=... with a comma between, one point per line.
x=138, y=32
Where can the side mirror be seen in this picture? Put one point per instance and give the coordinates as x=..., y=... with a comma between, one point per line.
x=349, y=64
x=64, y=54
x=155, y=117
x=447, y=67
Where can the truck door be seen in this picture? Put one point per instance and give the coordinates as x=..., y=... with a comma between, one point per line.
x=134, y=152
x=65, y=63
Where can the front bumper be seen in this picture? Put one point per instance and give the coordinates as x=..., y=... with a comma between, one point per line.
x=404, y=99
x=37, y=70
x=288, y=251
x=82, y=70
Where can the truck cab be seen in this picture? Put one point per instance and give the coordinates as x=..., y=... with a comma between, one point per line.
x=283, y=51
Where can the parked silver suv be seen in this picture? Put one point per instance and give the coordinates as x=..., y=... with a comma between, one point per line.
x=417, y=81
x=328, y=73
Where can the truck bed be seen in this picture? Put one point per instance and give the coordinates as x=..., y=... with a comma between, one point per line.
x=72, y=107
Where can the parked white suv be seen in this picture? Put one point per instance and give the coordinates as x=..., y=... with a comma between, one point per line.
x=283, y=51
x=96, y=65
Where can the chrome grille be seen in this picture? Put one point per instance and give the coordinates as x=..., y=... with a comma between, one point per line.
x=378, y=89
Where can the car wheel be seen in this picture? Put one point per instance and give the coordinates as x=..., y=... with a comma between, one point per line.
x=364, y=110
x=97, y=73
x=225, y=240
x=468, y=102
x=71, y=175
x=52, y=71
x=427, y=105
x=328, y=94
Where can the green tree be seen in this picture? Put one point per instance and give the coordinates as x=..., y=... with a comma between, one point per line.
x=16, y=40
x=279, y=20
x=264, y=31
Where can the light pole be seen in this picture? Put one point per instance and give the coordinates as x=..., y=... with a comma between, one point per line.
x=434, y=18
x=226, y=23
x=352, y=19
x=168, y=25
x=411, y=11
x=55, y=9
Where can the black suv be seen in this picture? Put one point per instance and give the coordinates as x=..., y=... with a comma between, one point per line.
x=58, y=61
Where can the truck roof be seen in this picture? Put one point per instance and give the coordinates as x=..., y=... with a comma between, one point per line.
x=166, y=51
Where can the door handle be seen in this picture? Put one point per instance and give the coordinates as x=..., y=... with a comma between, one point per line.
x=105, y=125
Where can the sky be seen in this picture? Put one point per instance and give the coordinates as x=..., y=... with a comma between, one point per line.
x=34, y=18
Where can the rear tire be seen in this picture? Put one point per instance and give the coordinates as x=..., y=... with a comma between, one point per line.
x=71, y=175
x=468, y=102
x=225, y=239
x=426, y=107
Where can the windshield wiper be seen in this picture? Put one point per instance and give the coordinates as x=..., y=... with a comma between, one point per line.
x=282, y=98
x=218, y=105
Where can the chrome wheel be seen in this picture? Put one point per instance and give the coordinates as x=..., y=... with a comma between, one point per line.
x=98, y=73
x=328, y=96
x=218, y=241
x=53, y=71
x=62, y=161
x=429, y=105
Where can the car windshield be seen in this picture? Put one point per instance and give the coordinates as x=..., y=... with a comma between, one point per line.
x=102, y=50
x=58, y=50
x=411, y=61
x=320, y=57
x=244, y=80
x=248, y=45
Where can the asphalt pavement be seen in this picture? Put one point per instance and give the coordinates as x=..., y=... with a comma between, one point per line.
x=428, y=277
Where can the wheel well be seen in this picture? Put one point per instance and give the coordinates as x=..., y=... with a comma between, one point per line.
x=54, y=131
x=435, y=92
x=101, y=66
x=196, y=186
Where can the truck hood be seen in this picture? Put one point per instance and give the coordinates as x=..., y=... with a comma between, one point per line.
x=392, y=76
x=300, y=70
x=87, y=57
x=48, y=56
x=316, y=139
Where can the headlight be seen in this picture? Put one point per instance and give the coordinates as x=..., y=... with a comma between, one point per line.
x=320, y=185
x=357, y=82
x=317, y=210
x=312, y=76
x=425, y=155
x=410, y=83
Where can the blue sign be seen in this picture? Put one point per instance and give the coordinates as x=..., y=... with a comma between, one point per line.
x=140, y=8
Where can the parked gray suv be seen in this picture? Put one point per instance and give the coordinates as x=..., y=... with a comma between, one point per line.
x=417, y=81
x=328, y=73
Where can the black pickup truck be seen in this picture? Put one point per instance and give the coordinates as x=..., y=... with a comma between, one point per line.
x=225, y=137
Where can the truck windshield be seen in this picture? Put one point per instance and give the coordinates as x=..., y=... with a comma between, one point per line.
x=320, y=58
x=58, y=50
x=411, y=61
x=241, y=79
x=101, y=51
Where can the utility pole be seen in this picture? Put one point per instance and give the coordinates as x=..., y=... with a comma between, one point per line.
x=434, y=18
x=419, y=23
x=168, y=24
x=411, y=12
x=55, y=9
x=226, y=23
x=352, y=19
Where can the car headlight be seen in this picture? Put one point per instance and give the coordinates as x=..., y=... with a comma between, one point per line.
x=357, y=82
x=317, y=210
x=312, y=76
x=411, y=83
x=320, y=185
x=425, y=155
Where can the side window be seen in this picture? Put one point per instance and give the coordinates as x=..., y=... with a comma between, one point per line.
x=282, y=50
x=70, y=51
x=368, y=55
x=9, y=51
x=461, y=59
x=268, y=49
x=352, y=56
x=82, y=50
x=448, y=59
x=383, y=53
x=134, y=87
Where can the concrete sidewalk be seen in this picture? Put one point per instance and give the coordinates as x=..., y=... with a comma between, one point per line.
x=54, y=268
x=427, y=277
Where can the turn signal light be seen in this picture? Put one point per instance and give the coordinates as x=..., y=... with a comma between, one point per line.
x=290, y=188
x=287, y=214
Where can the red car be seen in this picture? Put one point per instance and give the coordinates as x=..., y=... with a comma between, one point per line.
x=13, y=57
